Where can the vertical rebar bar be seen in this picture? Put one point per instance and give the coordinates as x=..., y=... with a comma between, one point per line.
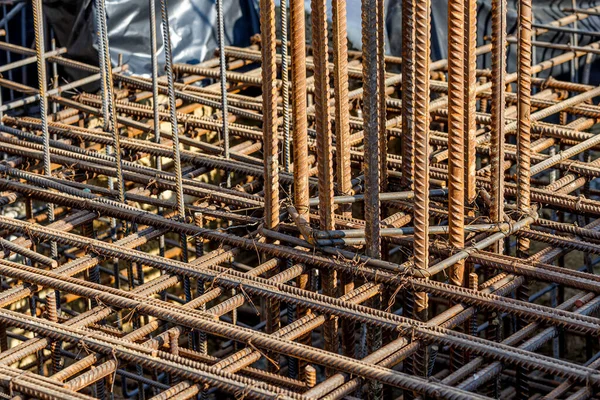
x=175, y=139
x=110, y=117
x=371, y=123
x=200, y=285
x=473, y=285
x=223, y=70
x=155, y=104
x=107, y=94
x=322, y=117
x=270, y=138
x=324, y=152
x=421, y=165
x=340, y=85
x=381, y=109
x=54, y=73
x=300, y=135
x=498, y=111
x=285, y=87
x=8, y=53
x=375, y=334
x=172, y=108
x=299, y=118
x=285, y=93
x=55, y=346
x=271, y=149
x=38, y=22
x=421, y=144
x=524, y=112
x=456, y=134
x=408, y=91
x=106, y=116
x=470, y=99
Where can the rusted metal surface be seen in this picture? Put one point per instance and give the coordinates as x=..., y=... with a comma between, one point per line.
x=419, y=240
x=456, y=134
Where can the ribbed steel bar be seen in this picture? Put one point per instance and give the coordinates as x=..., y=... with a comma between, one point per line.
x=322, y=115
x=453, y=164
x=408, y=90
x=110, y=119
x=223, y=69
x=285, y=86
x=42, y=82
x=342, y=112
x=498, y=111
x=421, y=169
x=172, y=109
x=382, y=96
x=456, y=133
x=524, y=157
x=470, y=84
x=155, y=105
x=270, y=136
x=371, y=122
x=324, y=151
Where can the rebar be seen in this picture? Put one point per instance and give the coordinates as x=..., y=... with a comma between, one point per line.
x=456, y=134
x=222, y=70
x=397, y=258
x=42, y=82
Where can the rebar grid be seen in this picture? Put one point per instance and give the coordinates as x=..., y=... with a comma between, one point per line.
x=410, y=228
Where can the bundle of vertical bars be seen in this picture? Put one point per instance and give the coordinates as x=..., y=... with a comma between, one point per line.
x=301, y=221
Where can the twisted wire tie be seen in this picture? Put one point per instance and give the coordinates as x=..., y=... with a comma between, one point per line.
x=132, y=312
x=248, y=299
x=113, y=353
x=241, y=394
x=83, y=345
x=90, y=248
x=358, y=265
x=250, y=344
x=402, y=276
x=100, y=302
x=214, y=280
x=580, y=199
x=153, y=183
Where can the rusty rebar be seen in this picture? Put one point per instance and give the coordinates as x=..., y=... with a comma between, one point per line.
x=38, y=22
x=456, y=133
x=408, y=90
x=342, y=112
x=371, y=120
x=470, y=110
x=497, y=110
x=524, y=111
x=421, y=147
x=270, y=142
x=422, y=280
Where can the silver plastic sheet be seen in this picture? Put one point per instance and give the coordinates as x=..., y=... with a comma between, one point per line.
x=193, y=29
x=194, y=36
x=192, y=23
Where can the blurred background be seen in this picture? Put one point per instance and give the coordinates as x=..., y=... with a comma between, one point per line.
x=193, y=31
